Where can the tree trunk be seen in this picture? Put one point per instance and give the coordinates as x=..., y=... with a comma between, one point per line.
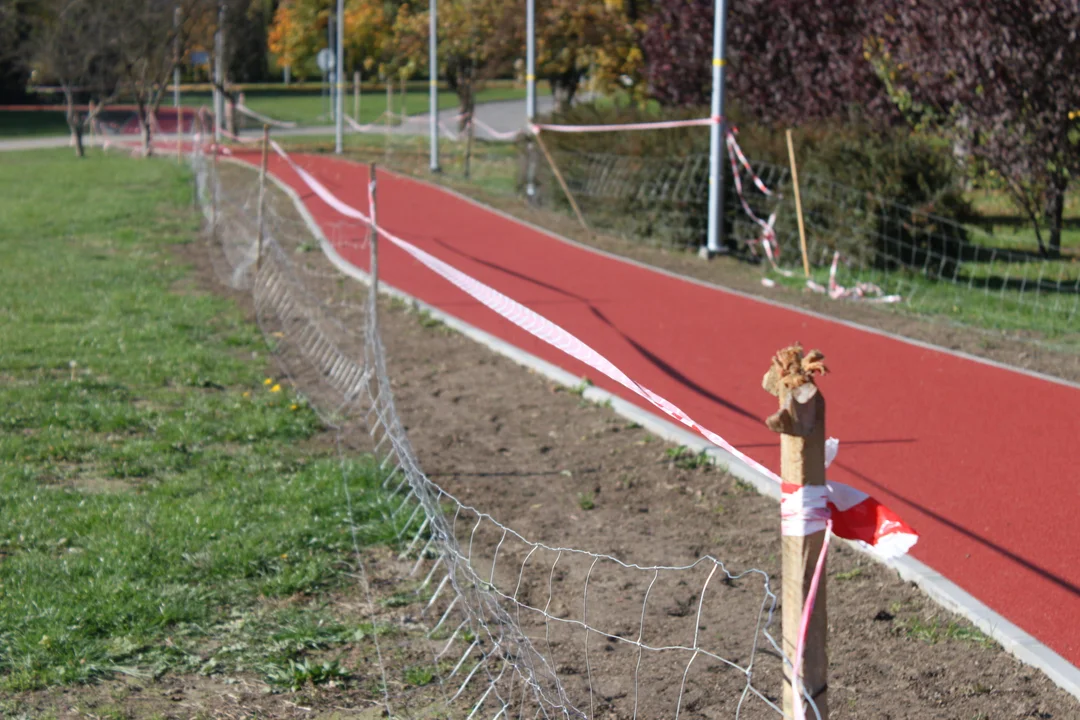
x=77, y=135
x=145, y=131
x=464, y=90
x=563, y=89
x=74, y=124
x=1055, y=211
x=469, y=141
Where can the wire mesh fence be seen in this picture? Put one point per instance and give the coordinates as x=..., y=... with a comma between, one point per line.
x=935, y=264
x=508, y=625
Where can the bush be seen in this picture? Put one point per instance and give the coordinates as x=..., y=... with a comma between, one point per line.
x=887, y=198
x=884, y=198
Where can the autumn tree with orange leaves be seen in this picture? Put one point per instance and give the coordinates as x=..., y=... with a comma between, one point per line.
x=298, y=32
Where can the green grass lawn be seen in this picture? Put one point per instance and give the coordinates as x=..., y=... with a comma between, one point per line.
x=1018, y=307
x=23, y=124
x=1007, y=227
x=164, y=506
x=312, y=108
x=494, y=168
x=303, y=107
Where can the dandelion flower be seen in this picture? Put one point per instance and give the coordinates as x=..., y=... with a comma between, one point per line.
x=268, y=381
x=276, y=388
x=294, y=407
x=247, y=393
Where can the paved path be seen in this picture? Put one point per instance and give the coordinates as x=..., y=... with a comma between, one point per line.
x=982, y=460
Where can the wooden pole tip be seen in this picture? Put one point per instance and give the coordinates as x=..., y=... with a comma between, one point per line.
x=790, y=378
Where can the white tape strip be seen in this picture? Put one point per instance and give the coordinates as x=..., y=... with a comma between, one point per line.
x=244, y=109
x=804, y=511
x=663, y=125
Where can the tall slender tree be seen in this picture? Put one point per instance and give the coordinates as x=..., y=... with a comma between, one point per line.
x=146, y=35
x=73, y=43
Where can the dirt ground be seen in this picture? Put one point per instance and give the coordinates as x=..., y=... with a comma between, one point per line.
x=571, y=474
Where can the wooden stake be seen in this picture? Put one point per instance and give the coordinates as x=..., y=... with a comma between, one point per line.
x=179, y=135
x=214, y=196
x=356, y=95
x=389, y=114
x=798, y=203
x=801, y=424
x=374, y=236
x=562, y=182
x=389, y=103
x=260, y=214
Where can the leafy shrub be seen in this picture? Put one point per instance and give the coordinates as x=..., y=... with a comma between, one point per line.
x=886, y=198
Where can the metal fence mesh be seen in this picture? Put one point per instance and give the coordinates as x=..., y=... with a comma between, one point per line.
x=509, y=625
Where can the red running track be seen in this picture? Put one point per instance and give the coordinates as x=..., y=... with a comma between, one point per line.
x=981, y=460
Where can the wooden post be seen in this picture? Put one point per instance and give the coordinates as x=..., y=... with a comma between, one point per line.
x=214, y=195
x=801, y=424
x=389, y=114
x=179, y=135
x=389, y=102
x=260, y=213
x=374, y=236
x=798, y=203
x=562, y=182
x=356, y=95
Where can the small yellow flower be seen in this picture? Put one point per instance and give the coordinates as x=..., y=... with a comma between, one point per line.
x=247, y=393
x=285, y=556
x=268, y=381
x=294, y=407
x=276, y=388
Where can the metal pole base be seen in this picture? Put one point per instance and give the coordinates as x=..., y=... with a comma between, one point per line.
x=706, y=254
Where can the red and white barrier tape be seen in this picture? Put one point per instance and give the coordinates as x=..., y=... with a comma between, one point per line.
x=868, y=292
x=659, y=125
x=860, y=291
x=496, y=134
x=803, y=510
x=733, y=147
x=856, y=516
x=265, y=119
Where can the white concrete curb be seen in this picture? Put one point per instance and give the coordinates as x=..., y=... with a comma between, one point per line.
x=942, y=590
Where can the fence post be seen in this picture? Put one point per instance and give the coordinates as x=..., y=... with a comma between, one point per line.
x=798, y=203
x=801, y=424
x=261, y=214
x=374, y=237
x=216, y=147
x=389, y=113
x=562, y=181
x=356, y=95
